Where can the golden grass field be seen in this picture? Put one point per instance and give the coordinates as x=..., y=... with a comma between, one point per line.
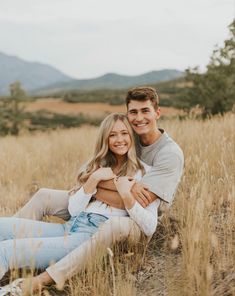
x=193, y=250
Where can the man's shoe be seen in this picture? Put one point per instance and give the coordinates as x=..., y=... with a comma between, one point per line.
x=13, y=289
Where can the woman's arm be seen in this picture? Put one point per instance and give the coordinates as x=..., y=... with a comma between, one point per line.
x=147, y=217
x=79, y=201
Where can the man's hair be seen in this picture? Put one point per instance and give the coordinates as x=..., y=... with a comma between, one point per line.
x=143, y=94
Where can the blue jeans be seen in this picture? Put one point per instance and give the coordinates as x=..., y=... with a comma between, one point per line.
x=29, y=243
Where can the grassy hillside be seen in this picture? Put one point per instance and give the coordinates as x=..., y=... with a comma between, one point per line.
x=192, y=252
x=167, y=90
x=112, y=81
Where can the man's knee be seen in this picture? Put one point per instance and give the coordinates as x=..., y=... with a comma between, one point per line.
x=36, y=207
x=40, y=200
x=46, y=197
x=42, y=194
x=45, y=201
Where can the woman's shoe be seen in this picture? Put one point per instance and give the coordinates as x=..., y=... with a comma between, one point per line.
x=13, y=289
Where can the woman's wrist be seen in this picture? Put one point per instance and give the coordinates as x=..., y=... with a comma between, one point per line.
x=128, y=199
x=124, y=185
x=91, y=185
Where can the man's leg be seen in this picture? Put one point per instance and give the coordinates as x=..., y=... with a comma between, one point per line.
x=46, y=201
x=113, y=230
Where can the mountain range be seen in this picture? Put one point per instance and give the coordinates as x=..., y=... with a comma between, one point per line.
x=38, y=78
x=32, y=75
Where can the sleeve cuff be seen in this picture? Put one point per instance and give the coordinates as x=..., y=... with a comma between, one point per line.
x=133, y=209
x=87, y=194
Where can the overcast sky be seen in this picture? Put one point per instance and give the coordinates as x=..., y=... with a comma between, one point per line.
x=89, y=38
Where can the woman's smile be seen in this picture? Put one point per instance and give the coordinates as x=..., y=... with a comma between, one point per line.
x=119, y=139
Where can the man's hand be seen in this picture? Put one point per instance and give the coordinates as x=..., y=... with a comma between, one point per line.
x=141, y=194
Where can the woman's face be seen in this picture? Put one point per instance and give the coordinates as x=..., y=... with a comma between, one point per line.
x=119, y=139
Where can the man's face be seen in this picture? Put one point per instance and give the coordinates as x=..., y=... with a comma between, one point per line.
x=142, y=117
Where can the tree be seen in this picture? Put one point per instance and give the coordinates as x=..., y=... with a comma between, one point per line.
x=12, y=110
x=214, y=90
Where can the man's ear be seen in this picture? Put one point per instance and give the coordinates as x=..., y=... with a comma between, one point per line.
x=158, y=112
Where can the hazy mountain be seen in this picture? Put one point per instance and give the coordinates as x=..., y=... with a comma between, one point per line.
x=40, y=78
x=31, y=75
x=113, y=81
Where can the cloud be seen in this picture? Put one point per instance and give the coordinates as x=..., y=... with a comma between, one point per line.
x=128, y=37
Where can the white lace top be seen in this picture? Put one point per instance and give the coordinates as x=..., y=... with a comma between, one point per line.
x=146, y=218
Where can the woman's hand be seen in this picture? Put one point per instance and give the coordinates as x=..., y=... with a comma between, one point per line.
x=103, y=174
x=124, y=185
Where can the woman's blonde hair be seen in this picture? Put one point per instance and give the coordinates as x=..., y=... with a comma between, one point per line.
x=104, y=157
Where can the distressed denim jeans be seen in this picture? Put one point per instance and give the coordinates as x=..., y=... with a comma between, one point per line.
x=36, y=244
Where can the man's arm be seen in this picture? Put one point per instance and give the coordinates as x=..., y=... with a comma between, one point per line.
x=108, y=185
x=108, y=194
x=110, y=197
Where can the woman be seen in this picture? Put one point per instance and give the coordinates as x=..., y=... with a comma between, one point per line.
x=29, y=243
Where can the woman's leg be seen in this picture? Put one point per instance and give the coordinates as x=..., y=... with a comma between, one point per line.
x=113, y=230
x=37, y=252
x=46, y=202
x=15, y=228
x=16, y=239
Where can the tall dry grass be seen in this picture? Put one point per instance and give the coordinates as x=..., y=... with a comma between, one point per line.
x=193, y=250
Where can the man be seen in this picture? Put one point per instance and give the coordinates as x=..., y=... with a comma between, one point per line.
x=155, y=148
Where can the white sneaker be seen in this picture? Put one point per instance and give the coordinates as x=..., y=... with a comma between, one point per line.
x=13, y=289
